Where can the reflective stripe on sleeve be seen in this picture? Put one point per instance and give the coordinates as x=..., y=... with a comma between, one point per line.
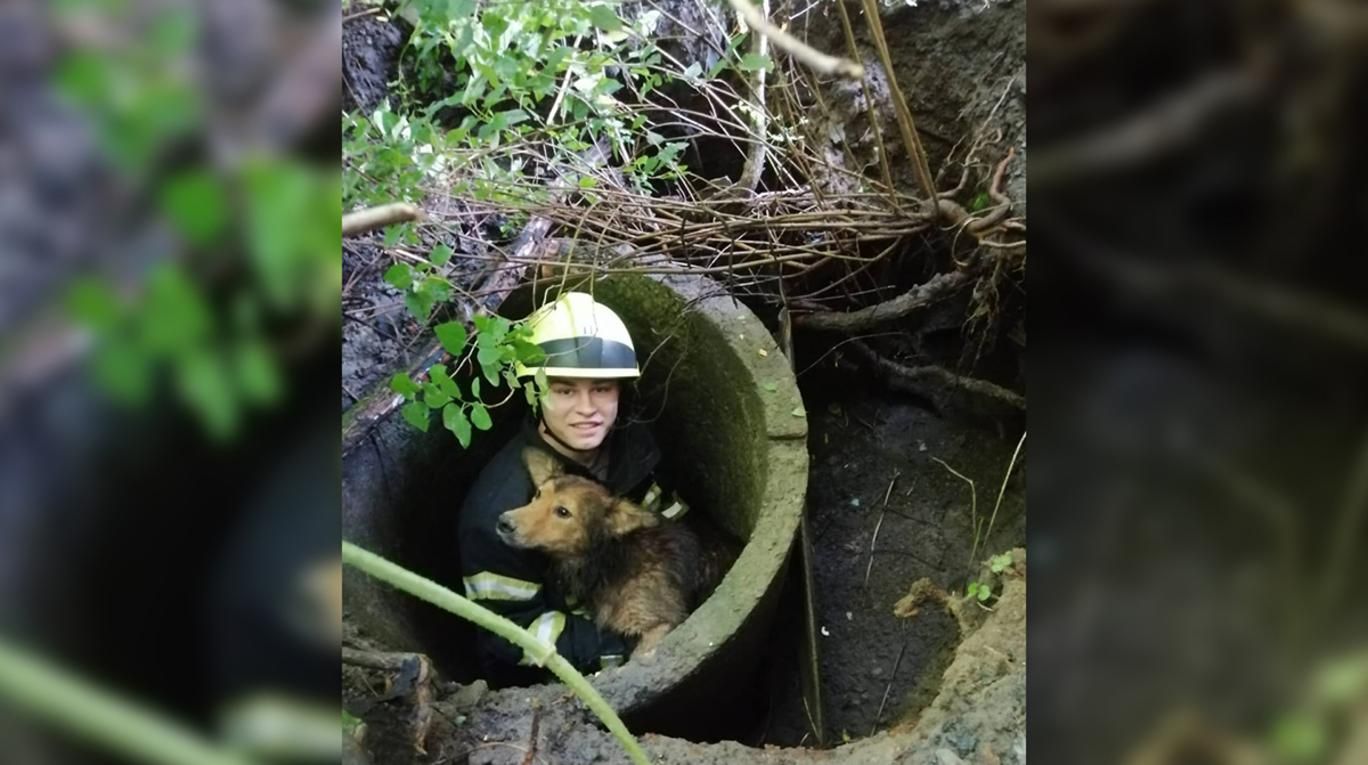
x=487, y=585
x=546, y=628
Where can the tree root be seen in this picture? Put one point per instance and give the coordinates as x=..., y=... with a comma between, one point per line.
x=913, y=379
x=936, y=288
x=413, y=681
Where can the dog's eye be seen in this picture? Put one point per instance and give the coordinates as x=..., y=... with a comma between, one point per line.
x=563, y=511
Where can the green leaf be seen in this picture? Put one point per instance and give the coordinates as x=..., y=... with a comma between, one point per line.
x=440, y=255
x=511, y=117
x=798, y=412
x=434, y=396
x=399, y=275
x=436, y=289
x=475, y=388
x=529, y=354
x=979, y=202
x=530, y=393
x=197, y=205
x=489, y=356
x=123, y=371
x=587, y=182
x=1300, y=737
x=452, y=335
x=175, y=314
x=491, y=373
x=393, y=234
x=604, y=18
x=459, y=9
x=754, y=61
x=419, y=305
x=438, y=375
x=203, y=382
x=454, y=419
x=292, y=230
x=93, y=303
x=480, y=416
x=417, y=415
x=258, y=375
x=403, y=384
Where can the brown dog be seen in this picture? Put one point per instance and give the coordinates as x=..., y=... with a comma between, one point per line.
x=637, y=572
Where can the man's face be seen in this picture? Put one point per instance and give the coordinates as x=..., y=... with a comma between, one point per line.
x=580, y=412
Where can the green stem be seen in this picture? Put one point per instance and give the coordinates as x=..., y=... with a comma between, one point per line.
x=542, y=653
x=98, y=716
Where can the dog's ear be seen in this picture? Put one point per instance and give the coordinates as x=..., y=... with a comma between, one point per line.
x=541, y=466
x=623, y=518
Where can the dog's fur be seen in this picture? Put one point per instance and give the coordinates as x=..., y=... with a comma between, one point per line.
x=637, y=572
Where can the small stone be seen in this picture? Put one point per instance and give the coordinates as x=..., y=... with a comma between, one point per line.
x=825, y=633
x=877, y=672
x=849, y=616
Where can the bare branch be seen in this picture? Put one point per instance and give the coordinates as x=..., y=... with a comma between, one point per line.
x=361, y=221
x=814, y=58
x=937, y=287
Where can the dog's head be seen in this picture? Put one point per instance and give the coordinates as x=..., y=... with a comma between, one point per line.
x=568, y=516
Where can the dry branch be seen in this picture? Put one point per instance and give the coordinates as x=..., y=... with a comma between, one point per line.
x=814, y=58
x=361, y=221
x=913, y=378
x=937, y=287
x=912, y=141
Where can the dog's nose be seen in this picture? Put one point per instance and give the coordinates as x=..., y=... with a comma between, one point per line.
x=504, y=525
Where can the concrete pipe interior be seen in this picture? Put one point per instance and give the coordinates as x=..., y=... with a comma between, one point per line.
x=729, y=417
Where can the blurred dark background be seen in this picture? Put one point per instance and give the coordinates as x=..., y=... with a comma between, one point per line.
x=169, y=334
x=1199, y=487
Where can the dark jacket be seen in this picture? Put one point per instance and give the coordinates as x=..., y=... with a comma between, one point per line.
x=514, y=582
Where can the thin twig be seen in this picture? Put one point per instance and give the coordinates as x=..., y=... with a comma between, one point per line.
x=874, y=539
x=814, y=58
x=896, y=662
x=1001, y=490
x=973, y=503
x=359, y=14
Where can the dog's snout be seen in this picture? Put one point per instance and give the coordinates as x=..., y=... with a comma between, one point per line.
x=504, y=525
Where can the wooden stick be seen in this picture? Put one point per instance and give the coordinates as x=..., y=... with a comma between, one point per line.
x=361, y=221
x=814, y=58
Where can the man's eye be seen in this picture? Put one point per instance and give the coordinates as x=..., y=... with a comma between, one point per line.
x=563, y=511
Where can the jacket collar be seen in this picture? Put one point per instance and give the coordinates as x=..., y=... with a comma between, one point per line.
x=632, y=454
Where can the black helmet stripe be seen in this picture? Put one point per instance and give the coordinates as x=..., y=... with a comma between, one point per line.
x=587, y=353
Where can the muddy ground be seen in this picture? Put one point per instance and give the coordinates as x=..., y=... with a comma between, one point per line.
x=977, y=717
x=864, y=440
